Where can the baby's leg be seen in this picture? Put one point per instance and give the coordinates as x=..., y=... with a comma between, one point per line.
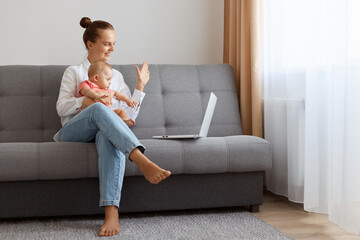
x=123, y=115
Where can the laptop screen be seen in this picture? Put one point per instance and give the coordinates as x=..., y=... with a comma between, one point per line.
x=208, y=115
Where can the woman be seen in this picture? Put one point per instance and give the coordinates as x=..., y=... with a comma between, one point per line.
x=114, y=140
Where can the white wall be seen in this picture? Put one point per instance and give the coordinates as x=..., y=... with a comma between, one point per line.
x=42, y=32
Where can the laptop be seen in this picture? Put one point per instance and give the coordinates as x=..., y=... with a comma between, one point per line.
x=204, y=126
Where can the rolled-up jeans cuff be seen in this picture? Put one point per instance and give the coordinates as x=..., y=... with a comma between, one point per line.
x=105, y=203
x=132, y=147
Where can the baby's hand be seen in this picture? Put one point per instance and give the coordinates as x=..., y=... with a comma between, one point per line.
x=131, y=103
x=102, y=97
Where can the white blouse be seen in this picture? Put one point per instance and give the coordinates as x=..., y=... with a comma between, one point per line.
x=69, y=104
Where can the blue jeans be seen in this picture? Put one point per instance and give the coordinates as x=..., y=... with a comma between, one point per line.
x=114, y=142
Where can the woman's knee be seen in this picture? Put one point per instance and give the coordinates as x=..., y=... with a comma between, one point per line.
x=100, y=108
x=98, y=105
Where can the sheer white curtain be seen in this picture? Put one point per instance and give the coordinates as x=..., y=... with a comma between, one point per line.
x=312, y=105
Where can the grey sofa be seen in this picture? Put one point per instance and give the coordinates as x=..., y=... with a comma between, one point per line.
x=40, y=177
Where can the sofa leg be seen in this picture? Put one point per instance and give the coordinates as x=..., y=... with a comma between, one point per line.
x=254, y=208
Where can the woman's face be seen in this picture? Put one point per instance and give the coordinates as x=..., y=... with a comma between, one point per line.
x=103, y=47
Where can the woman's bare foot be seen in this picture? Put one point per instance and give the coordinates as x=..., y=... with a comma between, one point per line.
x=152, y=172
x=111, y=225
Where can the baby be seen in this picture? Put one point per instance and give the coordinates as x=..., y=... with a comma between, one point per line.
x=96, y=89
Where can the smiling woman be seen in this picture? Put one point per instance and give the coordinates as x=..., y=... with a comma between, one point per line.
x=115, y=142
x=99, y=38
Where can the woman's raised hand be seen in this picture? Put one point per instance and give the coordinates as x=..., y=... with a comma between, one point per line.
x=143, y=76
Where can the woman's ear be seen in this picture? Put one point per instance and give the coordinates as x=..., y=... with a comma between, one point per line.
x=89, y=44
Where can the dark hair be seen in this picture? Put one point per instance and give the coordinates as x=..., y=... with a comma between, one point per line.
x=91, y=33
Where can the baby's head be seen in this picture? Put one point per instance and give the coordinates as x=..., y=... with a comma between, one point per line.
x=100, y=73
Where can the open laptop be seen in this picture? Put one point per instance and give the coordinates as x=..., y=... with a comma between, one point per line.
x=204, y=126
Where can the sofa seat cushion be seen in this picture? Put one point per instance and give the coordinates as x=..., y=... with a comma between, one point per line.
x=44, y=161
x=48, y=160
x=210, y=155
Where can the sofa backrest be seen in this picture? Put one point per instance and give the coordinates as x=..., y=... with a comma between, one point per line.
x=175, y=101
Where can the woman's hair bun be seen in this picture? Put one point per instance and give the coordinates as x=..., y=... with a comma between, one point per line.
x=85, y=22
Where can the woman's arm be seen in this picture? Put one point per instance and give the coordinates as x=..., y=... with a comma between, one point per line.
x=143, y=76
x=138, y=97
x=68, y=104
x=119, y=85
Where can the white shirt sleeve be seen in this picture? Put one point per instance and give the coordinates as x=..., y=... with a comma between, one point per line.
x=68, y=104
x=138, y=96
x=118, y=84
